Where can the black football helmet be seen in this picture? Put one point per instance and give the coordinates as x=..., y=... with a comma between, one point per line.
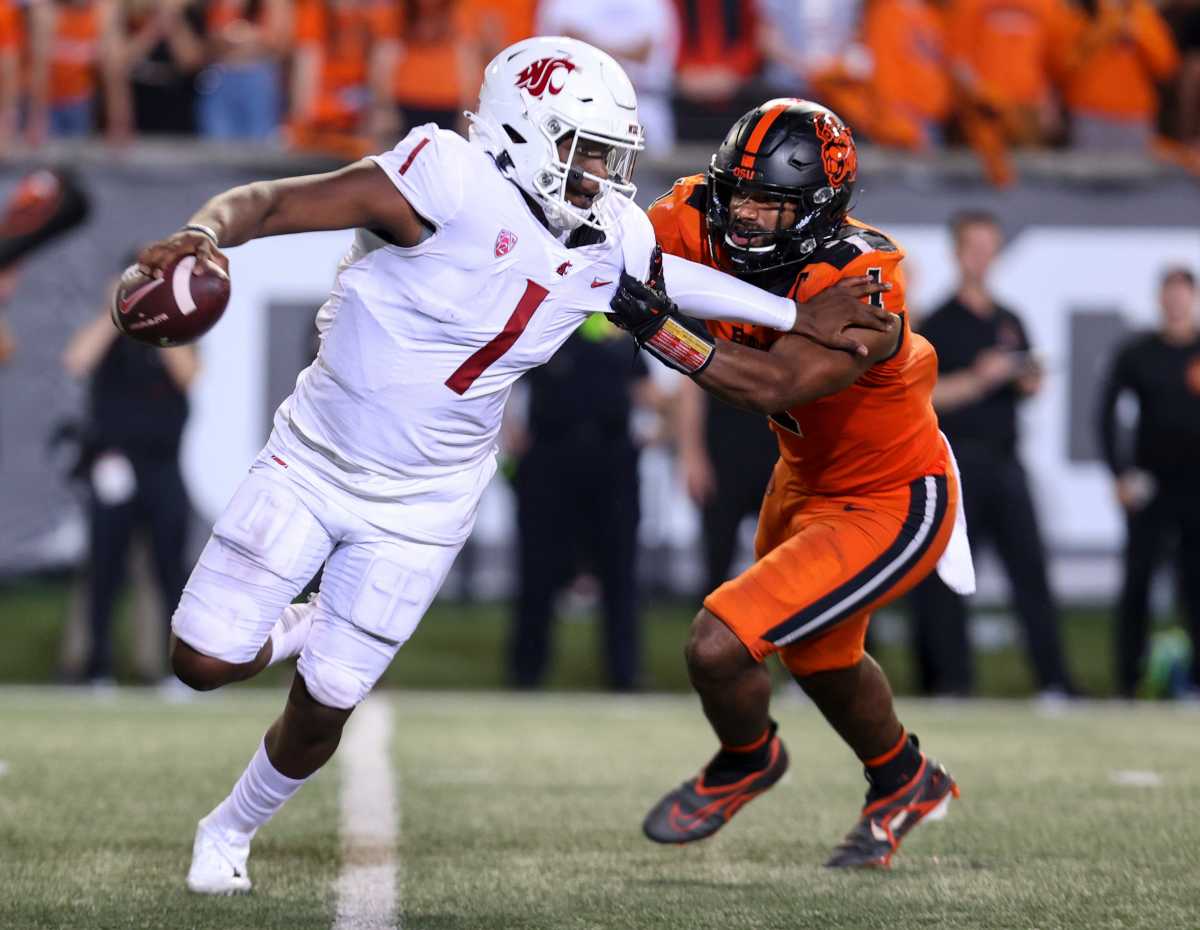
x=793, y=150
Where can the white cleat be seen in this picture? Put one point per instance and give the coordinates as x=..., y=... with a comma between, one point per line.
x=218, y=862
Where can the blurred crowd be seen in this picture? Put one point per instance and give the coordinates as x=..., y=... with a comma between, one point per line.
x=346, y=76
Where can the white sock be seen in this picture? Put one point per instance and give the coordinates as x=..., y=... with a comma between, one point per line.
x=258, y=794
x=291, y=630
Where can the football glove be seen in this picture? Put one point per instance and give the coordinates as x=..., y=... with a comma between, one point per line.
x=651, y=317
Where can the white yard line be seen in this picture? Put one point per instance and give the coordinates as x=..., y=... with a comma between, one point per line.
x=367, y=897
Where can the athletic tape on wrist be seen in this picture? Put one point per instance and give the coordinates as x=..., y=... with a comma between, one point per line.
x=680, y=348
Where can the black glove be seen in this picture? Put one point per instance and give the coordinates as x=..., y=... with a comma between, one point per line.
x=651, y=317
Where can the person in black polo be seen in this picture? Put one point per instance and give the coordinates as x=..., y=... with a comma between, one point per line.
x=137, y=409
x=725, y=461
x=985, y=369
x=576, y=484
x=1156, y=479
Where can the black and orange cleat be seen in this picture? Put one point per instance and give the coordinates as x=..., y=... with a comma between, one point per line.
x=696, y=810
x=885, y=821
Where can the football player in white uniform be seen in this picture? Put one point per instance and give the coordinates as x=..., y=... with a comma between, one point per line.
x=473, y=262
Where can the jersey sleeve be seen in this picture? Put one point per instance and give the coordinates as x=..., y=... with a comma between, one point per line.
x=427, y=167
x=677, y=218
x=637, y=241
x=873, y=256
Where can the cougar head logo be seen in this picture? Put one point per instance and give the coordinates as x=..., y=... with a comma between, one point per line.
x=537, y=77
x=838, y=155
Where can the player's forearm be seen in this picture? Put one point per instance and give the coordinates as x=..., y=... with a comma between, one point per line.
x=239, y=214
x=182, y=364
x=88, y=346
x=952, y=392
x=708, y=294
x=689, y=417
x=755, y=380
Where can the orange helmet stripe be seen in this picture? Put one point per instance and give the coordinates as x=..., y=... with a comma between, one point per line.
x=760, y=132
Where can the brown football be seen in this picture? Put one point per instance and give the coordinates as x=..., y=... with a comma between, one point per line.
x=177, y=308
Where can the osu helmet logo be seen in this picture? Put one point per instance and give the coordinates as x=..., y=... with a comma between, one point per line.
x=538, y=77
x=838, y=155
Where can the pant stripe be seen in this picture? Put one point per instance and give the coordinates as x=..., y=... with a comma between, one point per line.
x=926, y=513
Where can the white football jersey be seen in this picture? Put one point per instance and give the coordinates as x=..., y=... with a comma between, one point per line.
x=421, y=346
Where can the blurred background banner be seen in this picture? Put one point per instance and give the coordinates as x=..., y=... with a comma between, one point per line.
x=1088, y=240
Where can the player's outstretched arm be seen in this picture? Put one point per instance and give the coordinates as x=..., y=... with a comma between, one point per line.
x=795, y=371
x=832, y=318
x=359, y=195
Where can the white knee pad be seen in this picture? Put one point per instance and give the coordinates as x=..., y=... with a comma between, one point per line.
x=340, y=663
x=265, y=547
x=220, y=619
x=334, y=686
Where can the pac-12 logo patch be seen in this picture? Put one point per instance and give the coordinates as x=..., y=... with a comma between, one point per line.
x=505, y=242
x=536, y=77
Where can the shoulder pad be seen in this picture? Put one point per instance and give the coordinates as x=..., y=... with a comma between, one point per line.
x=849, y=242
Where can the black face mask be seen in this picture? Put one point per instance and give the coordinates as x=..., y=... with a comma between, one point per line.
x=768, y=249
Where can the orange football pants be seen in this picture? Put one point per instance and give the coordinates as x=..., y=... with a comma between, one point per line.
x=824, y=564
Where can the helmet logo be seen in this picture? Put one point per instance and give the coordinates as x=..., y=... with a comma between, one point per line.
x=838, y=155
x=746, y=174
x=536, y=77
x=505, y=242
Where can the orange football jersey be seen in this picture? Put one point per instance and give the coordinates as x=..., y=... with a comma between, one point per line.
x=879, y=433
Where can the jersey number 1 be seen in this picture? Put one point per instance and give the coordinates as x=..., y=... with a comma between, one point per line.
x=473, y=367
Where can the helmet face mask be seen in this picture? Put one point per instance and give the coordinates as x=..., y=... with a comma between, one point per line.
x=548, y=107
x=795, y=163
x=567, y=174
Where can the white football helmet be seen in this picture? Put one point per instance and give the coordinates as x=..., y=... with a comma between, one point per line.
x=541, y=89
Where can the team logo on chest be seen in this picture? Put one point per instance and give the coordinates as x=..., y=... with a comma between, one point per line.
x=505, y=242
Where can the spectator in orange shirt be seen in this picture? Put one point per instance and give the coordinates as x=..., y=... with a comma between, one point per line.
x=10, y=46
x=910, y=76
x=240, y=91
x=1004, y=56
x=342, y=67
x=1120, y=50
x=1182, y=108
x=73, y=44
x=894, y=87
x=165, y=50
x=439, y=69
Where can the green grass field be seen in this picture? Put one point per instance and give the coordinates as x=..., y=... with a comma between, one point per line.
x=524, y=812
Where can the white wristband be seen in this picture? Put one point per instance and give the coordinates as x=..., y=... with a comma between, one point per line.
x=708, y=294
x=204, y=231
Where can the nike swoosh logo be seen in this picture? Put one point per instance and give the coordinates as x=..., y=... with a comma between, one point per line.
x=596, y=282
x=125, y=304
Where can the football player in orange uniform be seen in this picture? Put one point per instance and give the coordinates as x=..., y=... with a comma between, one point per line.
x=863, y=500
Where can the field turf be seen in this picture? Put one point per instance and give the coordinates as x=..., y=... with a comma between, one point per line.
x=524, y=812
